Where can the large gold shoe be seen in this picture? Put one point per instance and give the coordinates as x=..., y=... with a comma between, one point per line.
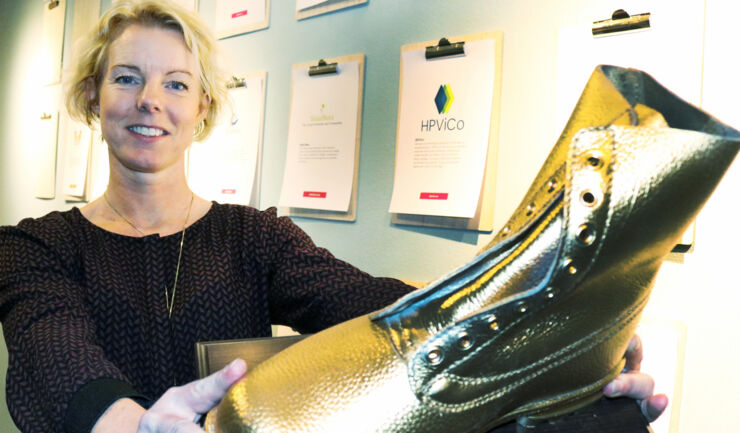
x=538, y=322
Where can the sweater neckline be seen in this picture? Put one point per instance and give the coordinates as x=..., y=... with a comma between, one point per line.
x=195, y=225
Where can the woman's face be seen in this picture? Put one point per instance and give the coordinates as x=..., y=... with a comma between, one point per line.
x=150, y=98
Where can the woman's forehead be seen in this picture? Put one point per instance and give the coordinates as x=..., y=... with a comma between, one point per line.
x=150, y=47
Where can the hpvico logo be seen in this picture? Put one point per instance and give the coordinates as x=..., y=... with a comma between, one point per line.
x=443, y=101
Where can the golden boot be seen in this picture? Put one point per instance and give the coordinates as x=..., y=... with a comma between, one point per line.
x=538, y=322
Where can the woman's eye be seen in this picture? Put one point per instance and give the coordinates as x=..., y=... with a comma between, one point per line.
x=125, y=79
x=177, y=85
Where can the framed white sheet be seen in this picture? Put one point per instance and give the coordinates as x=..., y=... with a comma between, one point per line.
x=447, y=134
x=52, y=40
x=236, y=17
x=322, y=157
x=226, y=167
x=311, y=8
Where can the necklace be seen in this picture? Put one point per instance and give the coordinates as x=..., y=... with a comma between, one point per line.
x=170, y=303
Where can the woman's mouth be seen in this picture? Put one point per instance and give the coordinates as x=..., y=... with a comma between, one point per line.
x=147, y=131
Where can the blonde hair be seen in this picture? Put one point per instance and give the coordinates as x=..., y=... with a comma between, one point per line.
x=93, y=55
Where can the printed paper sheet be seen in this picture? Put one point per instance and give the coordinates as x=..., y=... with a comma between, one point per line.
x=305, y=4
x=240, y=16
x=310, y=8
x=322, y=136
x=78, y=139
x=52, y=39
x=224, y=167
x=99, y=166
x=46, y=145
x=445, y=121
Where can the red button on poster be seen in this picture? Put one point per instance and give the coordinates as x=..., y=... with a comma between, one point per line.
x=314, y=194
x=433, y=196
x=239, y=14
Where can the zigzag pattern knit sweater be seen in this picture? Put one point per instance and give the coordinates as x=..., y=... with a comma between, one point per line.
x=85, y=318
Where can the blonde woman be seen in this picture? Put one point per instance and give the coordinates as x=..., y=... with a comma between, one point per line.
x=101, y=305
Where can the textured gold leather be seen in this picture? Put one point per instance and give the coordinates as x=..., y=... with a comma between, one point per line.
x=538, y=322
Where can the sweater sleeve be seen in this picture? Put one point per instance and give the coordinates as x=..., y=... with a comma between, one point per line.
x=311, y=289
x=58, y=377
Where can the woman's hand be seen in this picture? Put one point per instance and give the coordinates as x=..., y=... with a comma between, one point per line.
x=632, y=383
x=179, y=408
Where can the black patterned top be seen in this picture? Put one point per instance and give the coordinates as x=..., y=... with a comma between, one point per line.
x=84, y=312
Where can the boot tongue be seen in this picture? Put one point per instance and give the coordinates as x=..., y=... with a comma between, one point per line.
x=649, y=118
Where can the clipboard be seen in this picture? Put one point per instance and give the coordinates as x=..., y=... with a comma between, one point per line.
x=483, y=218
x=326, y=7
x=211, y=356
x=52, y=41
x=228, y=190
x=351, y=214
x=189, y=4
x=45, y=164
x=235, y=83
x=251, y=27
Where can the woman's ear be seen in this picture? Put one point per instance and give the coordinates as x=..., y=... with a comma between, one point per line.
x=91, y=91
x=205, y=105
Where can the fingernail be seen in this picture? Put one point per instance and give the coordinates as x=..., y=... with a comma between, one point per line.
x=235, y=362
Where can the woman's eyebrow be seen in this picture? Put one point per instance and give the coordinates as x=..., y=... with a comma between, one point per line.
x=137, y=69
x=132, y=67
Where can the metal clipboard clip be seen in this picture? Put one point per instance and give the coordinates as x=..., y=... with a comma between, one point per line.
x=322, y=68
x=53, y=4
x=621, y=22
x=236, y=82
x=445, y=49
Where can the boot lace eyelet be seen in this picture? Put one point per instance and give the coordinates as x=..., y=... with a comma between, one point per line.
x=434, y=356
x=493, y=322
x=586, y=234
x=530, y=209
x=570, y=267
x=593, y=159
x=465, y=341
x=591, y=198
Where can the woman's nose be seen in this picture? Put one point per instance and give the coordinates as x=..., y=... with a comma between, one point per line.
x=149, y=99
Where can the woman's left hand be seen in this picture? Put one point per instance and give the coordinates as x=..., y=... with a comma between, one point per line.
x=632, y=383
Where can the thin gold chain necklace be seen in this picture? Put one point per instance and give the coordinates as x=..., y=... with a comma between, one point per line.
x=170, y=303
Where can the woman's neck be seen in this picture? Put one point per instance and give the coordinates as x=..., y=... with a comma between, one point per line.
x=141, y=204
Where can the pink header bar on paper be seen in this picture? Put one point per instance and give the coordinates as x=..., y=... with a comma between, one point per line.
x=433, y=196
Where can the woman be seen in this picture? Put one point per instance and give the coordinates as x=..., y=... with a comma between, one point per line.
x=101, y=305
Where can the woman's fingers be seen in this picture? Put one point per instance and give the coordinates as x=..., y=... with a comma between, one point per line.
x=202, y=395
x=640, y=387
x=653, y=406
x=633, y=385
x=180, y=406
x=633, y=356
